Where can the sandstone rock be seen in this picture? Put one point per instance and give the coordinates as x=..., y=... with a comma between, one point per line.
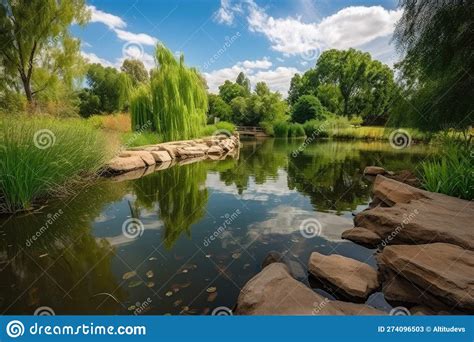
x=161, y=156
x=351, y=278
x=274, y=292
x=124, y=164
x=374, y=170
x=405, y=176
x=144, y=155
x=172, y=150
x=415, y=216
x=215, y=150
x=188, y=152
x=294, y=267
x=440, y=271
x=362, y=236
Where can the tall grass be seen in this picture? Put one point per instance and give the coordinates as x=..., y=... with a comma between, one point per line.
x=40, y=156
x=451, y=171
x=223, y=127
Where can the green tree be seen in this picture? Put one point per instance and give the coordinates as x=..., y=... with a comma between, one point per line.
x=229, y=91
x=218, y=108
x=243, y=81
x=36, y=43
x=307, y=108
x=240, y=112
x=436, y=73
x=261, y=89
x=295, y=91
x=136, y=70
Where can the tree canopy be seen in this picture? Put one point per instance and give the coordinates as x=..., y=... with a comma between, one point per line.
x=135, y=69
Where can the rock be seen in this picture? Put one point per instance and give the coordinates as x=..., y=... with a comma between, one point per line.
x=374, y=170
x=406, y=177
x=414, y=216
x=172, y=150
x=216, y=150
x=273, y=257
x=350, y=278
x=434, y=273
x=274, y=292
x=144, y=155
x=294, y=267
x=161, y=156
x=362, y=236
x=188, y=152
x=125, y=164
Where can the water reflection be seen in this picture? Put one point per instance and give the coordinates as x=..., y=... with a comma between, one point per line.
x=83, y=264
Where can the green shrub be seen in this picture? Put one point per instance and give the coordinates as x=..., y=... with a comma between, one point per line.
x=136, y=139
x=296, y=131
x=40, y=156
x=451, y=171
x=223, y=127
x=315, y=128
x=307, y=108
x=281, y=129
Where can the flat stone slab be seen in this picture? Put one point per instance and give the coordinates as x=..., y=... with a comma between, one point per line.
x=161, y=156
x=374, y=170
x=125, y=164
x=274, y=292
x=362, y=236
x=432, y=273
x=414, y=216
x=354, y=279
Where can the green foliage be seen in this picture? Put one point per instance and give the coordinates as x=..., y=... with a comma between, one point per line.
x=178, y=99
x=450, y=171
x=316, y=128
x=229, y=91
x=27, y=173
x=296, y=131
x=436, y=79
x=220, y=127
x=307, y=108
x=38, y=51
x=243, y=81
x=135, y=69
x=141, y=109
x=295, y=90
x=218, y=108
x=281, y=129
x=136, y=139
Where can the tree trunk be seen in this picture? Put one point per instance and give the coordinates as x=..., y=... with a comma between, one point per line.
x=27, y=88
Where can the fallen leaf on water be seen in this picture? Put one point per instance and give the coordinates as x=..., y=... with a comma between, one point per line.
x=211, y=289
x=135, y=283
x=150, y=284
x=152, y=259
x=185, y=285
x=169, y=293
x=129, y=275
x=212, y=297
x=236, y=255
x=246, y=266
x=150, y=274
x=43, y=255
x=131, y=308
x=177, y=302
x=208, y=255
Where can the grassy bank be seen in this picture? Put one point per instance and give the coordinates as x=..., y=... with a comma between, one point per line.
x=450, y=171
x=40, y=156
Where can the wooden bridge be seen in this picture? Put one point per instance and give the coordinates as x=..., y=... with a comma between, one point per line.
x=251, y=131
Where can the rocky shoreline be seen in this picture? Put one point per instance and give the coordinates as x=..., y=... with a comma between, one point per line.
x=424, y=247
x=137, y=162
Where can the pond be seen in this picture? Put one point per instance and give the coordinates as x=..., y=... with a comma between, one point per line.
x=202, y=230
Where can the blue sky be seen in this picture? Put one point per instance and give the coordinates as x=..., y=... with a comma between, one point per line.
x=270, y=40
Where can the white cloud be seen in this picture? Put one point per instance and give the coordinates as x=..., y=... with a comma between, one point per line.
x=226, y=13
x=258, y=64
x=277, y=79
x=141, y=38
x=93, y=59
x=112, y=21
x=352, y=26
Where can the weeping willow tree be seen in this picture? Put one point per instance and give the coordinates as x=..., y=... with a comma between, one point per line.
x=141, y=108
x=176, y=99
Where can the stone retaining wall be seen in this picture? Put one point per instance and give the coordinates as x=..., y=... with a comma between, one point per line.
x=215, y=148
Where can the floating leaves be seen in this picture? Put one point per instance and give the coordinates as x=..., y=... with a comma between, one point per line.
x=150, y=274
x=135, y=283
x=129, y=275
x=169, y=293
x=211, y=289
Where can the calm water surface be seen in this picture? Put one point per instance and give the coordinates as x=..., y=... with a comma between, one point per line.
x=82, y=263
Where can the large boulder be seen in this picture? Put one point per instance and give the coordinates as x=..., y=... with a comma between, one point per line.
x=274, y=292
x=161, y=156
x=440, y=274
x=144, y=155
x=346, y=277
x=414, y=216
